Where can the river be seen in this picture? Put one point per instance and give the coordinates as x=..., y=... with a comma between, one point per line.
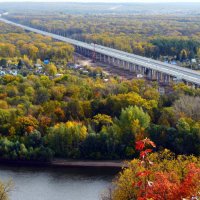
x=42, y=183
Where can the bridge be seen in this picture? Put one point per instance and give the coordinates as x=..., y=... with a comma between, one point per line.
x=152, y=69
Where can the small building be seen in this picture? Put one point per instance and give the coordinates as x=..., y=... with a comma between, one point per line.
x=13, y=72
x=139, y=76
x=85, y=72
x=58, y=75
x=46, y=61
x=173, y=62
x=2, y=73
x=38, y=65
x=193, y=60
x=74, y=66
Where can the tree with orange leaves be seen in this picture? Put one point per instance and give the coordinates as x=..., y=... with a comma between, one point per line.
x=168, y=186
x=158, y=176
x=165, y=185
x=26, y=124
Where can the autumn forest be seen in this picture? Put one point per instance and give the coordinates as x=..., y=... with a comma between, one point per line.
x=48, y=110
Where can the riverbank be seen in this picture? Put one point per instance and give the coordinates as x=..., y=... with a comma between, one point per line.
x=68, y=163
x=89, y=163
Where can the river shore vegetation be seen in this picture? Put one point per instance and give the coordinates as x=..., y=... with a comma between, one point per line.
x=5, y=189
x=74, y=115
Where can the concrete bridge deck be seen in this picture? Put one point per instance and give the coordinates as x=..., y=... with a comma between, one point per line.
x=152, y=68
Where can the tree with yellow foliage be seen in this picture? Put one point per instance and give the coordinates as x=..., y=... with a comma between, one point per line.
x=5, y=189
x=64, y=138
x=51, y=69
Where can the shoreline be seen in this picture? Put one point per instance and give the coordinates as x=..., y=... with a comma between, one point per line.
x=64, y=163
x=88, y=163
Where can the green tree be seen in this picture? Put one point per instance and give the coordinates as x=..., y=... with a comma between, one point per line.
x=183, y=54
x=42, y=95
x=131, y=116
x=65, y=139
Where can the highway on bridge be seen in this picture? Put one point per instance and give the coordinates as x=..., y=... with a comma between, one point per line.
x=178, y=72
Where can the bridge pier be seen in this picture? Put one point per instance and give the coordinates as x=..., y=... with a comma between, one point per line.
x=126, y=66
x=104, y=58
x=121, y=64
x=97, y=57
x=143, y=70
x=129, y=66
x=100, y=57
x=158, y=77
x=149, y=73
x=153, y=74
x=166, y=78
x=113, y=61
x=117, y=62
x=109, y=60
x=161, y=77
x=132, y=68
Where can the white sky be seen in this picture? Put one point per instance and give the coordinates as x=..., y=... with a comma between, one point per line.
x=113, y=1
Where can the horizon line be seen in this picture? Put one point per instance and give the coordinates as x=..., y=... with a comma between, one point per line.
x=105, y=2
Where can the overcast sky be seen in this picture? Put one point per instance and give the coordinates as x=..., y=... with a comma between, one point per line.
x=116, y=1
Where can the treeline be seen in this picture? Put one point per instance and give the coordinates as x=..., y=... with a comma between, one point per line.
x=181, y=49
x=74, y=117
x=155, y=36
x=67, y=114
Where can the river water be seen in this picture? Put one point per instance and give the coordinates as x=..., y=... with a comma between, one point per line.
x=42, y=183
